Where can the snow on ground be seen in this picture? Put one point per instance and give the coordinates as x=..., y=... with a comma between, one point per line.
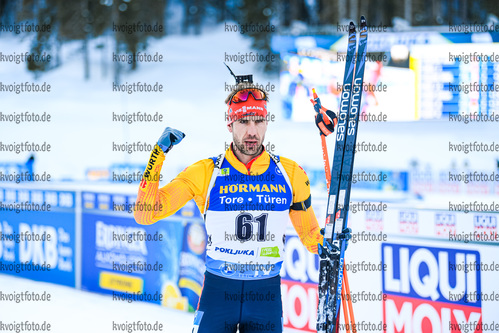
x=76, y=311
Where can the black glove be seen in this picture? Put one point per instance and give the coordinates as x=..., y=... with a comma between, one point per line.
x=345, y=235
x=328, y=249
x=326, y=120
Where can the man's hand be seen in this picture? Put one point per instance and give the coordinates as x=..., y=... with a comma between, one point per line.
x=346, y=235
x=169, y=138
x=328, y=249
x=325, y=119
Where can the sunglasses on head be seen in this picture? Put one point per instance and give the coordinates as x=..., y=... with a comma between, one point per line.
x=242, y=95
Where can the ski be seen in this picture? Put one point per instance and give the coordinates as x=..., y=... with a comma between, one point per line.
x=331, y=268
x=343, y=200
x=326, y=265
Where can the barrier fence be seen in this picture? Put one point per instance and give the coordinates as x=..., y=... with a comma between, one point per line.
x=410, y=269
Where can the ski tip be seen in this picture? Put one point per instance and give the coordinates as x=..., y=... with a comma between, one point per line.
x=351, y=28
x=363, y=22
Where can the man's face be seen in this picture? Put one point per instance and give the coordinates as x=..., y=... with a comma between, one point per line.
x=248, y=134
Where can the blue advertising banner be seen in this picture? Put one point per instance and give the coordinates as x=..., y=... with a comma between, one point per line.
x=37, y=234
x=440, y=284
x=162, y=263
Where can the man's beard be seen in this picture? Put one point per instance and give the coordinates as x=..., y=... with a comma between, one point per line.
x=250, y=150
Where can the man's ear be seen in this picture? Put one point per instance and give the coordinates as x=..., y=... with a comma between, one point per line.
x=229, y=127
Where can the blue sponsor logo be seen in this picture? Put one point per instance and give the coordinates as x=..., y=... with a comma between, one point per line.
x=234, y=252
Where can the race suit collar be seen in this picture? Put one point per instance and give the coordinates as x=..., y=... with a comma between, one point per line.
x=256, y=166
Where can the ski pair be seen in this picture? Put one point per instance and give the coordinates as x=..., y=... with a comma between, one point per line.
x=331, y=269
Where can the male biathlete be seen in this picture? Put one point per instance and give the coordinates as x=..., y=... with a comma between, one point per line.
x=247, y=196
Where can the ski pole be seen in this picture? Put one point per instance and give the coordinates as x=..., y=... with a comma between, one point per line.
x=325, y=155
x=325, y=158
x=345, y=313
x=347, y=291
x=324, y=266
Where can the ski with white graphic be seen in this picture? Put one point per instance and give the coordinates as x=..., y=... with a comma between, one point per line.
x=343, y=200
x=331, y=268
x=327, y=265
